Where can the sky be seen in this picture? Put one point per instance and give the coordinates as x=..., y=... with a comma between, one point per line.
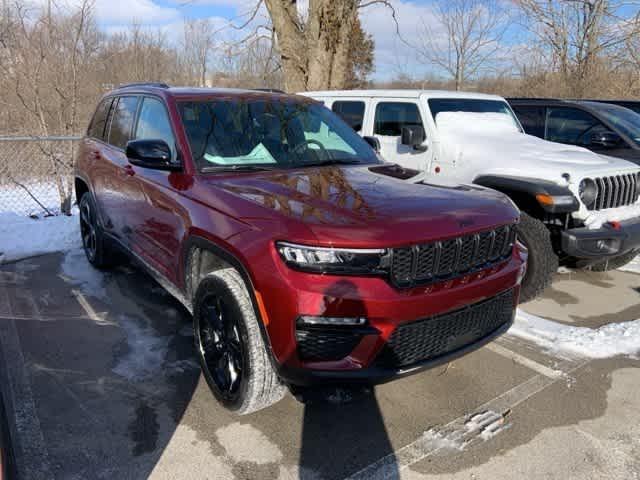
x=393, y=57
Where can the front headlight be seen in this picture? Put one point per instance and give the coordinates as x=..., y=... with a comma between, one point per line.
x=588, y=191
x=354, y=261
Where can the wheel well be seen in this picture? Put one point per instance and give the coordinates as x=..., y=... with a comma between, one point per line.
x=200, y=263
x=81, y=189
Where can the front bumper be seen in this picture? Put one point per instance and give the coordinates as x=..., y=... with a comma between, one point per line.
x=377, y=374
x=613, y=239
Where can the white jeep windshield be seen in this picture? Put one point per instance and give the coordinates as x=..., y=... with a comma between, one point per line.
x=472, y=105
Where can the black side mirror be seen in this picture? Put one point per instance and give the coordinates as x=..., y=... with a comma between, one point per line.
x=374, y=142
x=154, y=154
x=413, y=136
x=605, y=140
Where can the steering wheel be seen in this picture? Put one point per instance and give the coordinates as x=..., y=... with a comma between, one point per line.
x=306, y=143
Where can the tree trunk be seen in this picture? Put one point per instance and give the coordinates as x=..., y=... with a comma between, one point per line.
x=314, y=53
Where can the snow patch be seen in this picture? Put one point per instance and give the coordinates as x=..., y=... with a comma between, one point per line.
x=77, y=270
x=146, y=351
x=633, y=266
x=441, y=441
x=605, y=342
x=22, y=236
x=486, y=424
x=598, y=218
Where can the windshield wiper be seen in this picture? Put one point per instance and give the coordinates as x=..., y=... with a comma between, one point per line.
x=236, y=168
x=330, y=161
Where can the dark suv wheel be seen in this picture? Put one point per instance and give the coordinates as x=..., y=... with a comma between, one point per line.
x=229, y=345
x=93, y=241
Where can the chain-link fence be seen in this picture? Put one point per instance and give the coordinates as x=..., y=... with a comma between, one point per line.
x=36, y=174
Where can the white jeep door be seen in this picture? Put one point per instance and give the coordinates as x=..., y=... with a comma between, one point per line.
x=389, y=116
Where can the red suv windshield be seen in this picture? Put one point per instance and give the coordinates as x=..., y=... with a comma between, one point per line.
x=270, y=134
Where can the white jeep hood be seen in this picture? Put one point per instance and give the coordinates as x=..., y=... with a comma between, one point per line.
x=478, y=144
x=490, y=143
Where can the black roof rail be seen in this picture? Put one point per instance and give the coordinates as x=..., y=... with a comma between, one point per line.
x=143, y=84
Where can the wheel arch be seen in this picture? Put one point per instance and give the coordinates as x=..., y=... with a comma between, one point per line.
x=201, y=257
x=523, y=192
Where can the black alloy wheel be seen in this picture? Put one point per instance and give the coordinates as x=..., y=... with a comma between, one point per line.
x=221, y=347
x=88, y=228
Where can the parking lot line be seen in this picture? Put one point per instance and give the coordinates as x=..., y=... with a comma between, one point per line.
x=28, y=440
x=522, y=360
x=91, y=313
x=457, y=432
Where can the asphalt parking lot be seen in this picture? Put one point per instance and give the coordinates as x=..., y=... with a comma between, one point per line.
x=100, y=379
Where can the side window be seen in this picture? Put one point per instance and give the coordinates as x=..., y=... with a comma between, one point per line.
x=153, y=123
x=99, y=121
x=392, y=116
x=122, y=121
x=532, y=119
x=570, y=125
x=351, y=112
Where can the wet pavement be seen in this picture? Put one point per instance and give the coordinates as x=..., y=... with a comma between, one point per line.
x=100, y=379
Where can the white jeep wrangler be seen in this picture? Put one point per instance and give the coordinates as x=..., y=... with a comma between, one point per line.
x=578, y=208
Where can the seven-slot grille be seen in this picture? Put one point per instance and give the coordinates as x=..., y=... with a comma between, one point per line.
x=433, y=337
x=447, y=259
x=616, y=191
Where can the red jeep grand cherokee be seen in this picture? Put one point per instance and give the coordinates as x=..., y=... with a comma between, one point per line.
x=302, y=257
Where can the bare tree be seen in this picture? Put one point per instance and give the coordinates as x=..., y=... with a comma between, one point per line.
x=197, y=49
x=314, y=43
x=464, y=38
x=44, y=64
x=575, y=34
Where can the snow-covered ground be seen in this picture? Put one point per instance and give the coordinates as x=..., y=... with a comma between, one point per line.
x=607, y=341
x=633, y=267
x=22, y=236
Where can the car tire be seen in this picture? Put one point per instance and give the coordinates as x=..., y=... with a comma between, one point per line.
x=542, y=263
x=229, y=345
x=615, y=262
x=93, y=242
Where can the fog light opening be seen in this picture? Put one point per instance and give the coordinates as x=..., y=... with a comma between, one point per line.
x=332, y=321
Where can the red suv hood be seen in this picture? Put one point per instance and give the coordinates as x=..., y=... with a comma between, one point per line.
x=352, y=206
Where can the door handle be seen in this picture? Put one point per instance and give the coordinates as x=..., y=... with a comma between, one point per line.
x=95, y=154
x=128, y=169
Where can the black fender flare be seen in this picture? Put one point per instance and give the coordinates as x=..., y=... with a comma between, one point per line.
x=523, y=192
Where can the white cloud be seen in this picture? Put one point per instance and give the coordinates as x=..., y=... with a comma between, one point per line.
x=145, y=12
x=110, y=12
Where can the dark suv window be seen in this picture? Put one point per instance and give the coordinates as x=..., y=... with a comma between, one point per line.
x=153, y=123
x=96, y=129
x=351, y=112
x=571, y=125
x=532, y=119
x=392, y=116
x=122, y=121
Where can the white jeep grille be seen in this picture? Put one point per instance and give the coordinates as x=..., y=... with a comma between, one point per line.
x=616, y=191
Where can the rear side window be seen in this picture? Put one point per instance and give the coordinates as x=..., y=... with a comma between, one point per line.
x=570, y=125
x=122, y=121
x=351, y=112
x=154, y=124
x=532, y=119
x=96, y=129
x=392, y=116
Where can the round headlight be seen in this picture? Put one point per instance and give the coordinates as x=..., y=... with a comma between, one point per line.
x=588, y=191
